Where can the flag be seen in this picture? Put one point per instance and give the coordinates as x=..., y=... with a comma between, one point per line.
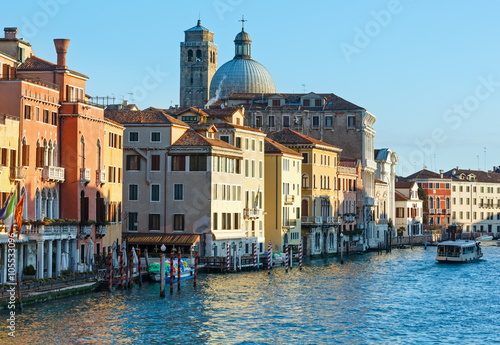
x=256, y=201
x=9, y=213
x=4, y=208
x=18, y=214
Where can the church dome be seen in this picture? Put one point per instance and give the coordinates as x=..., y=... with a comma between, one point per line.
x=242, y=74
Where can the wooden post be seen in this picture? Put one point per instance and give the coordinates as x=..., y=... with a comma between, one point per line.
x=19, y=292
x=179, y=263
x=269, y=260
x=286, y=258
x=195, y=267
x=131, y=269
x=290, y=252
x=239, y=255
x=121, y=269
x=228, y=258
x=255, y=255
x=139, y=266
x=171, y=273
x=162, y=275
x=110, y=270
x=300, y=256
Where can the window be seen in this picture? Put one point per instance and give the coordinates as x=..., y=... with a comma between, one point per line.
x=215, y=221
x=305, y=155
x=276, y=102
x=178, y=222
x=190, y=118
x=306, y=102
x=224, y=138
x=132, y=221
x=253, y=145
x=270, y=120
x=261, y=169
x=133, y=136
x=447, y=186
x=27, y=112
x=298, y=120
x=155, y=192
x=261, y=146
x=154, y=221
x=286, y=121
x=155, y=162
x=178, y=163
x=246, y=144
x=247, y=170
x=351, y=121
x=329, y=121
x=237, y=142
x=45, y=116
x=179, y=191
x=317, y=102
x=37, y=112
x=315, y=121
x=431, y=185
x=198, y=163
x=155, y=136
x=253, y=169
x=133, y=192
x=305, y=181
x=258, y=121
x=133, y=162
x=5, y=156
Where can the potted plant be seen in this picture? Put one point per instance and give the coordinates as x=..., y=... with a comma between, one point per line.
x=29, y=272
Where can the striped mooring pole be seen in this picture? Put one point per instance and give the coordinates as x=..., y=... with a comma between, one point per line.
x=179, y=263
x=139, y=266
x=269, y=261
x=162, y=275
x=121, y=269
x=286, y=257
x=228, y=259
x=195, y=267
x=110, y=270
x=300, y=256
x=255, y=255
x=131, y=269
x=171, y=273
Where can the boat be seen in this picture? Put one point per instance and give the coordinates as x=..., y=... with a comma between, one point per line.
x=485, y=238
x=458, y=251
x=498, y=242
x=186, y=271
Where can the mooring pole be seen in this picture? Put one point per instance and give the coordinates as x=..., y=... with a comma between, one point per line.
x=171, y=273
x=195, y=267
x=162, y=276
x=179, y=263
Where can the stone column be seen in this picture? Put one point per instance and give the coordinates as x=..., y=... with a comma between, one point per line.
x=68, y=257
x=4, y=268
x=49, y=259
x=58, y=258
x=40, y=260
x=73, y=255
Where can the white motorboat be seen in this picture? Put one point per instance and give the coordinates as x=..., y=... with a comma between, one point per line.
x=458, y=251
x=485, y=238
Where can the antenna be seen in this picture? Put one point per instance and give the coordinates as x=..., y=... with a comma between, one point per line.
x=131, y=97
x=303, y=88
x=485, y=159
x=477, y=162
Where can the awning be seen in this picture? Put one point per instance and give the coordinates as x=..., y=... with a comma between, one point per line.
x=159, y=239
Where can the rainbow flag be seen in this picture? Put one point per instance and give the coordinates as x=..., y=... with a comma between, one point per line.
x=9, y=212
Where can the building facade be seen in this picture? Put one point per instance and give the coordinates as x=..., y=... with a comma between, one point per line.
x=409, y=208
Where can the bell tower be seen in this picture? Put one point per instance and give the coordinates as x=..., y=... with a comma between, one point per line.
x=198, y=66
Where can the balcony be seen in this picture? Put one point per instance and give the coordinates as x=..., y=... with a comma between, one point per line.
x=307, y=220
x=85, y=230
x=84, y=175
x=332, y=220
x=251, y=213
x=349, y=217
x=289, y=223
x=289, y=199
x=51, y=173
x=100, y=177
x=16, y=173
x=100, y=230
x=438, y=211
x=432, y=211
x=69, y=230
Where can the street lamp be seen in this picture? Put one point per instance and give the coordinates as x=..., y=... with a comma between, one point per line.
x=163, y=248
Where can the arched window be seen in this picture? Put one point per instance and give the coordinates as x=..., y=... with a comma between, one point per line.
x=49, y=154
x=438, y=202
x=305, y=208
x=25, y=205
x=328, y=186
x=38, y=205
x=448, y=203
x=39, y=154
x=190, y=55
x=55, y=204
x=305, y=181
x=54, y=154
x=431, y=203
x=99, y=154
x=49, y=204
x=84, y=207
x=325, y=208
x=198, y=55
x=82, y=152
x=45, y=161
x=44, y=204
x=314, y=181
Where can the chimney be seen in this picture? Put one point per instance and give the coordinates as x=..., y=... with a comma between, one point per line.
x=61, y=49
x=441, y=173
x=10, y=33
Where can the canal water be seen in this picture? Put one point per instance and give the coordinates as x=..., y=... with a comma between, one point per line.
x=403, y=297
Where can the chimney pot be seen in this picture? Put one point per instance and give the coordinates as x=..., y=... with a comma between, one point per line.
x=441, y=172
x=61, y=45
x=10, y=33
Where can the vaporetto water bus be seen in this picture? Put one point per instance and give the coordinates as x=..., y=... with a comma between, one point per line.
x=458, y=251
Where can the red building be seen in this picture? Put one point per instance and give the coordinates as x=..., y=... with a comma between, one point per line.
x=438, y=191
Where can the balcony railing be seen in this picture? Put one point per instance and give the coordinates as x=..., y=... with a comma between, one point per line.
x=289, y=199
x=251, y=213
x=289, y=223
x=85, y=230
x=16, y=173
x=52, y=173
x=332, y=220
x=349, y=218
x=84, y=175
x=100, y=176
x=100, y=230
x=432, y=211
x=59, y=229
x=311, y=220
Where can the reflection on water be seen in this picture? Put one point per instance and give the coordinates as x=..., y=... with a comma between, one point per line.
x=401, y=297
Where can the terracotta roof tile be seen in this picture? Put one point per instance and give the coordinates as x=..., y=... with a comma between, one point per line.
x=404, y=184
x=271, y=146
x=193, y=138
x=226, y=125
x=34, y=63
x=288, y=136
x=149, y=116
x=424, y=174
x=480, y=176
x=400, y=197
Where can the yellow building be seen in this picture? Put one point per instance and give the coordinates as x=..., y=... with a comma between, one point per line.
x=9, y=143
x=110, y=175
x=319, y=200
x=283, y=171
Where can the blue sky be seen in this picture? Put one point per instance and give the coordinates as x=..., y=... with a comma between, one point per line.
x=428, y=70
